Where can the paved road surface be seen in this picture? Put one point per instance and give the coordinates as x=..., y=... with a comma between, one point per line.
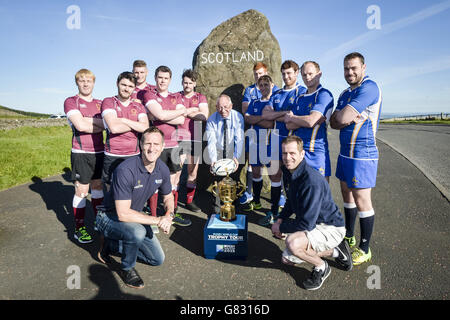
x=426, y=146
x=410, y=249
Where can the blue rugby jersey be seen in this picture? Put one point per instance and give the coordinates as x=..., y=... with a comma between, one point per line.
x=255, y=108
x=284, y=100
x=358, y=140
x=321, y=100
x=252, y=93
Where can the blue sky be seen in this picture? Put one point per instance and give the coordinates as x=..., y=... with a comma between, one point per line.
x=409, y=55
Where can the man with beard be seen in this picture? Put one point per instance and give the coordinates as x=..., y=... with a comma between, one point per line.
x=357, y=117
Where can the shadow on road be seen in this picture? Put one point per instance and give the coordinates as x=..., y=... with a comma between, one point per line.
x=108, y=287
x=58, y=198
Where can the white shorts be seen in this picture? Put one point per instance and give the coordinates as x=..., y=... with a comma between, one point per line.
x=325, y=237
x=322, y=238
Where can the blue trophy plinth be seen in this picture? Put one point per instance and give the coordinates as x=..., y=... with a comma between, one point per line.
x=226, y=240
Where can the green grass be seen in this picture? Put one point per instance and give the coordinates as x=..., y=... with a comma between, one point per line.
x=28, y=152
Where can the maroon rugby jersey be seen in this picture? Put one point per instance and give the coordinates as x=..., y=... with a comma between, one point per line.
x=127, y=143
x=186, y=130
x=167, y=103
x=139, y=93
x=83, y=142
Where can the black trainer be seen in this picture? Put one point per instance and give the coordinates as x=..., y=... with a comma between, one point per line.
x=192, y=207
x=316, y=278
x=345, y=256
x=179, y=220
x=132, y=279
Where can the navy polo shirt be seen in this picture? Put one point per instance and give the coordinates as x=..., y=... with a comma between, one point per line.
x=132, y=181
x=309, y=197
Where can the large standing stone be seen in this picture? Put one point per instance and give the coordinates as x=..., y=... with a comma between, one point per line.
x=224, y=60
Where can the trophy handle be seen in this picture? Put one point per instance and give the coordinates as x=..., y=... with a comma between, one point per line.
x=214, y=187
x=240, y=185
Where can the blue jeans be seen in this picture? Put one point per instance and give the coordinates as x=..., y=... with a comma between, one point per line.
x=132, y=240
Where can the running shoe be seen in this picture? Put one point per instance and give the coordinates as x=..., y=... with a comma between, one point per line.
x=82, y=235
x=179, y=220
x=344, y=258
x=317, y=278
x=268, y=219
x=359, y=256
x=351, y=241
x=245, y=198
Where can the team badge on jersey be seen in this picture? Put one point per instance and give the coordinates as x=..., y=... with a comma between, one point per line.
x=133, y=112
x=139, y=185
x=173, y=101
x=99, y=106
x=195, y=101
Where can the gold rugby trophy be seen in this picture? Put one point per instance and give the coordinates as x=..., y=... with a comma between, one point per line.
x=227, y=191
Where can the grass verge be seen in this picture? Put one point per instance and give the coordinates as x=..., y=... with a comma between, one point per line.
x=28, y=152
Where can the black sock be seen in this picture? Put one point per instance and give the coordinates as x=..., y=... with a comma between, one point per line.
x=350, y=219
x=275, y=193
x=366, y=225
x=249, y=180
x=257, y=187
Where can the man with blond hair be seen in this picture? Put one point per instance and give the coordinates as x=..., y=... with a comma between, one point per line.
x=140, y=71
x=84, y=116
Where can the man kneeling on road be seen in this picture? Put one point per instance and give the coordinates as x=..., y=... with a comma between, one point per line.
x=318, y=228
x=125, y=229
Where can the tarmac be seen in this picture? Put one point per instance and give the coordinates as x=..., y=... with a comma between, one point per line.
x=40, y=260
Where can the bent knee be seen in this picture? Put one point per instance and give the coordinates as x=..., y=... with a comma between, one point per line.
x=297, y=241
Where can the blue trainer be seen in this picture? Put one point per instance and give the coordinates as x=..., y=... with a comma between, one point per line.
x=245, y=198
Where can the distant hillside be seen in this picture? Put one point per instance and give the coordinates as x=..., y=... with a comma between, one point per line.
x=8, y=112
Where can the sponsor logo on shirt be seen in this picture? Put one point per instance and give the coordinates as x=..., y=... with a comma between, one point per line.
x=82, y=105
x=139, y=185
x=158, y=181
